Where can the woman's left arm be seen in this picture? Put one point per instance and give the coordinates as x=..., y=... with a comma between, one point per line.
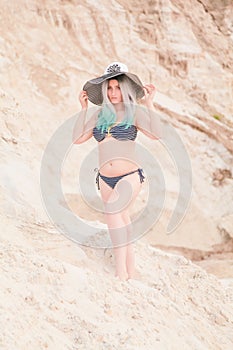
x=147, y=120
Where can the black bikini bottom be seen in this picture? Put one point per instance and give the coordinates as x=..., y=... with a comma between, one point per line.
x=112, y=181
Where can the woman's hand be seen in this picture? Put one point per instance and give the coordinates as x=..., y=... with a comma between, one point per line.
x=149, y=90
x=83, y=99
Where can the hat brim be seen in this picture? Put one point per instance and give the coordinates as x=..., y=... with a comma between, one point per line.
x=93, y=87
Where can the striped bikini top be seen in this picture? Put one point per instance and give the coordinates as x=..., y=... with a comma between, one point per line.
x=119, y=132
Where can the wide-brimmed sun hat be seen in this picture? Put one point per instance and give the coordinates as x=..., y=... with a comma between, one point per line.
x=93, y=87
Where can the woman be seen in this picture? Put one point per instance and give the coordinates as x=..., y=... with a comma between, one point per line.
x=115, y=126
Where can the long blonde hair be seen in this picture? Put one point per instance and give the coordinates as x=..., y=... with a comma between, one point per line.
x=107, y=115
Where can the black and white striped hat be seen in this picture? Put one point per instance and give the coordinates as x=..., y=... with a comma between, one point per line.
x=93, y=87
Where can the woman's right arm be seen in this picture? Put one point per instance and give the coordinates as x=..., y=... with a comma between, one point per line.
x=83, y=131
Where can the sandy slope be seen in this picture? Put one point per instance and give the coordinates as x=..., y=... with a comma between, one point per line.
x=55, y=294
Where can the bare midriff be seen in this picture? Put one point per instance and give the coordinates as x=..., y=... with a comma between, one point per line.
x=116, y=157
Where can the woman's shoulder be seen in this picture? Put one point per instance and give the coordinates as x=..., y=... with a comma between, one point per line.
x=93, y=113
x=139, y=110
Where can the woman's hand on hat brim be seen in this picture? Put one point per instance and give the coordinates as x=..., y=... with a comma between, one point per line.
x=149, y=90
x=83, y=99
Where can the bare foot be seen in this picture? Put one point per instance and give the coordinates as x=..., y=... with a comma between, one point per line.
x=131, y=275
x=136, y=275
x=123, y=276
x=131, y=272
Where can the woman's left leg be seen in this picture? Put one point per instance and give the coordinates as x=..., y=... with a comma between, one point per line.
x=130, y=256
x=117, y=203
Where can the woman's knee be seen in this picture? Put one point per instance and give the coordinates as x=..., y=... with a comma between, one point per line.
x=125, y=215
x=115, y=221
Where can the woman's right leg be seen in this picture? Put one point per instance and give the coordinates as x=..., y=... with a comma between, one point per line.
x=118, y=236
x=116, y=227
